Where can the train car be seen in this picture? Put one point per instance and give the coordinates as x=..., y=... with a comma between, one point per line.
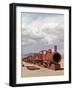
x=37, y=58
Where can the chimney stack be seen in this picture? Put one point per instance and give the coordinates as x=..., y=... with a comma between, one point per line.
x=55, y=48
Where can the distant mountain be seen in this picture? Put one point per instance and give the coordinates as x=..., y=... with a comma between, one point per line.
x=29, y=54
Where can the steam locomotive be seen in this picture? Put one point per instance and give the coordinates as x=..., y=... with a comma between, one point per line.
x=45, y=58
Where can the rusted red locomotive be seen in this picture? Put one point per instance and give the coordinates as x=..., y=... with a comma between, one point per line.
x=46, y=58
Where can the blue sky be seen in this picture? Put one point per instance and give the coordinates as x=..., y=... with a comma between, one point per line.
x=41, y=31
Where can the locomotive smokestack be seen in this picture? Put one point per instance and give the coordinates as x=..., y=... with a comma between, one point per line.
x=55, y=48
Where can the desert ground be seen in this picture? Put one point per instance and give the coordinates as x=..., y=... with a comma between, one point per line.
x=40, y=72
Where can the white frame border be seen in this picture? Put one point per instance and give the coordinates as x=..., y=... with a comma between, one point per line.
x=18, y=47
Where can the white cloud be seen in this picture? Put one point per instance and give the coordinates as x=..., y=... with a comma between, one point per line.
x=42, y=29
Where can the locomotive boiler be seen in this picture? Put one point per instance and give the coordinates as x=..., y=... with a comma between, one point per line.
x=46, y=58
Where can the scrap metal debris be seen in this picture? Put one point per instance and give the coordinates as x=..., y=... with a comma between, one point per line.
x=32, y=68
